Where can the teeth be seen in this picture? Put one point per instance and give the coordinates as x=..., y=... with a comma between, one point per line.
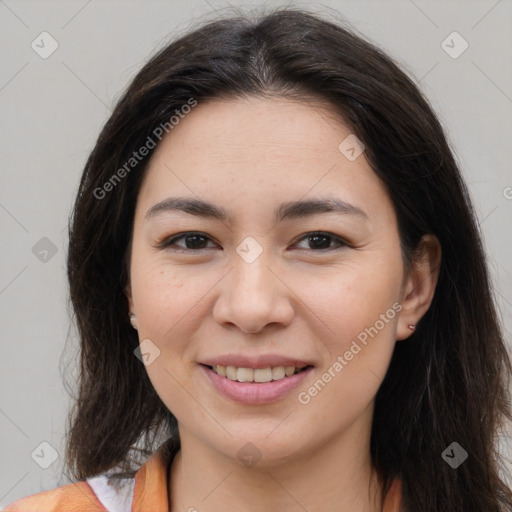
x=257, y=375
x=231, y=372
x=263, y=374
x=245, y=375
x=289, y=370
x=278, y=372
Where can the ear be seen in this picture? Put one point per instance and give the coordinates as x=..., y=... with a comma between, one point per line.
x=128, y=293
x=419, y=285
x=126, y=279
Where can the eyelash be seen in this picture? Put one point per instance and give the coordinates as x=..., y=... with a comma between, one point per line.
x=169, y=242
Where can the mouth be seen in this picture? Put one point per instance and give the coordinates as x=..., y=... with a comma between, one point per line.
x=256, y=386
x=257, y=375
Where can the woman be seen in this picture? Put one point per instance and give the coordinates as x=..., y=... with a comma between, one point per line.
x=279, y=283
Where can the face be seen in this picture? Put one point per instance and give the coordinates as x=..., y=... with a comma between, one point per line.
x=268, y=280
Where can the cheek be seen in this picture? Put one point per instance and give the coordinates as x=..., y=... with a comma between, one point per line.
x=357, y=349
x=168, y=300
x=167, y=303
x=354, y=297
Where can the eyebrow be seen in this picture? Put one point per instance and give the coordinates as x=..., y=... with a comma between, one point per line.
x=288, y=210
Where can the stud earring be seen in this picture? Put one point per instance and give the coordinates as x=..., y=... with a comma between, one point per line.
x=133, y=320
x=412, y=327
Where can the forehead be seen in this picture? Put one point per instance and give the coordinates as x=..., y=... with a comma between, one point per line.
x=272, y=124
x=260, y=149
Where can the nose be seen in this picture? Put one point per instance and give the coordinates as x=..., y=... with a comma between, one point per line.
x=252, y=296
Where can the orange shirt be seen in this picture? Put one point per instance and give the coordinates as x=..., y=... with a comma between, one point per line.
x=146, y=492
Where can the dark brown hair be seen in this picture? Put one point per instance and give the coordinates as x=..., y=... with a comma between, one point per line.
x=448, y=382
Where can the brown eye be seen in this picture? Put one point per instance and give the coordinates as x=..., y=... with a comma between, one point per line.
x=192, y=241
x=319, y=241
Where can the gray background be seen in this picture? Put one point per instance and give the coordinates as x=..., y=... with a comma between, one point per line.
x=52, y=110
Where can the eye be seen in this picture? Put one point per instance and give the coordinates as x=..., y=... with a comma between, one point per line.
x=196, y=241
x=193, y=241
x=321, y=241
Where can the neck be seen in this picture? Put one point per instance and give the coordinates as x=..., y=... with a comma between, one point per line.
x=335, y=476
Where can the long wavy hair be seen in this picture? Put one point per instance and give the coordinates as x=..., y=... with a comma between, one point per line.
x=448, y=382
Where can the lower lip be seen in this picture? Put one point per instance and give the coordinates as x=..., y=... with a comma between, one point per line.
x=255, y=392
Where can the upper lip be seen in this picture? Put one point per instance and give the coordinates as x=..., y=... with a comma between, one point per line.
x=261, y=361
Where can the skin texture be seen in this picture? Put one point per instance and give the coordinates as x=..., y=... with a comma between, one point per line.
x=248, y=156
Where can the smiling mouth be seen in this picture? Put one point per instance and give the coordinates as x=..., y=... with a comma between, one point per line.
x=256, y=375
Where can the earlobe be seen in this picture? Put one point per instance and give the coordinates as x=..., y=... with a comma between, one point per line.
x=133, y=320
x=420, y=285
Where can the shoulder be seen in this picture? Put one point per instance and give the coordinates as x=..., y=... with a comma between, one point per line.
x=73, y=497
x=147, y=490
x=96, y=494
